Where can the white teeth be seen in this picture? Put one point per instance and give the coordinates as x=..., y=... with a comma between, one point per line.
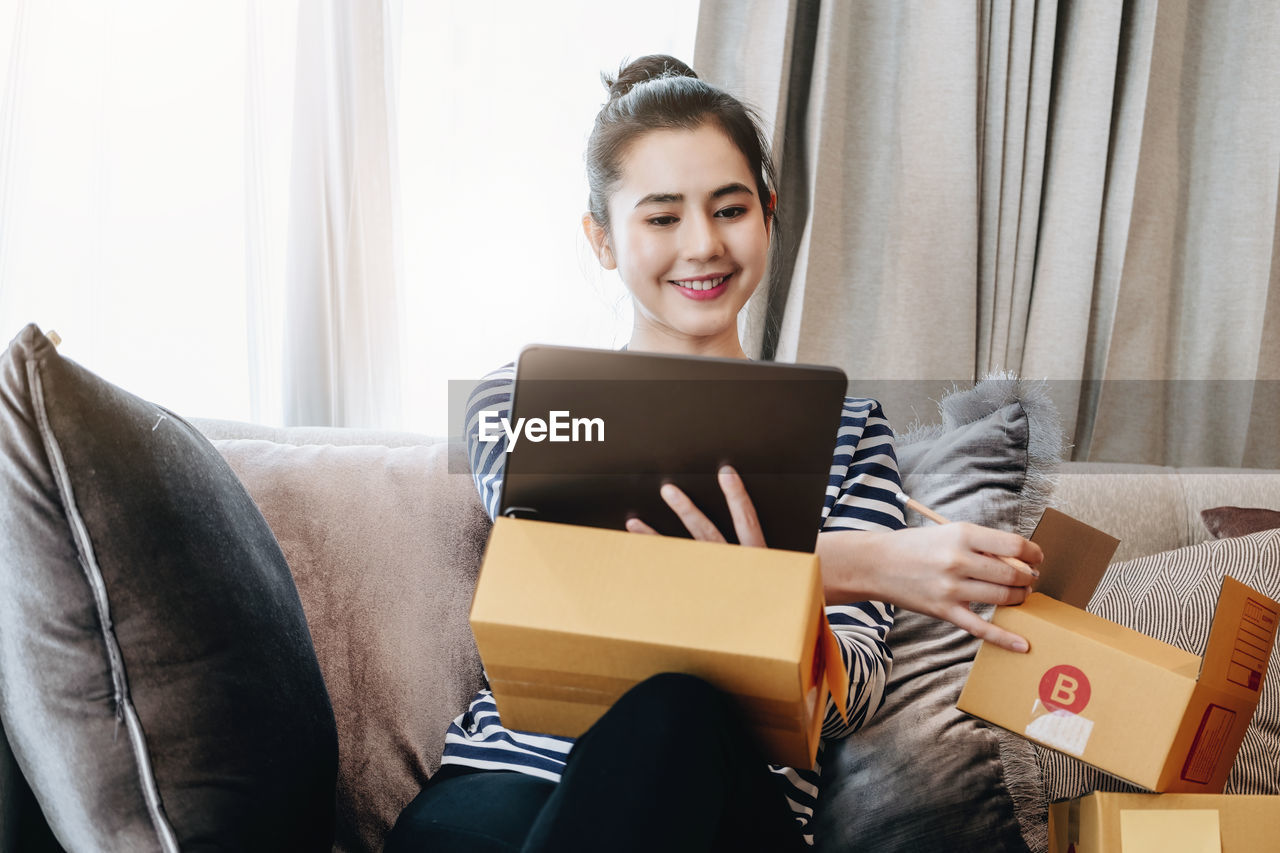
x=707, y=284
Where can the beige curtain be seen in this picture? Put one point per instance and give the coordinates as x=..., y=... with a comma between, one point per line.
x=341, y=359
x=1080, y=191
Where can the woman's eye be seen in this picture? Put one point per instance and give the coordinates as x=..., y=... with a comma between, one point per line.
x=662, y=220
x=731, y=212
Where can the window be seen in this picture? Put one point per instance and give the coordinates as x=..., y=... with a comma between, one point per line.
x=144, y=187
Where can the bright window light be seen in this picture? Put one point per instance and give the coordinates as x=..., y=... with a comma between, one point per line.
x=144, y=179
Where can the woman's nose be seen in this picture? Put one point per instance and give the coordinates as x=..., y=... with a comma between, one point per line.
x=702, y=239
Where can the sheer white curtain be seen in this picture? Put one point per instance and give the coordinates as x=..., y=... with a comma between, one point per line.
x=321, y=212
x=342, y=269
x=124, y=176
x=495, y=110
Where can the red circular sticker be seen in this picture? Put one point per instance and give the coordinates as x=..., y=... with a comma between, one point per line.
x=1065, y=687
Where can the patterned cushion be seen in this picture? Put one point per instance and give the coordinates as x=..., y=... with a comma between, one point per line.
x=1171, y=597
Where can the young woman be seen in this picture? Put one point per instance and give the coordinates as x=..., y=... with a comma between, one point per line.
x=681, y=205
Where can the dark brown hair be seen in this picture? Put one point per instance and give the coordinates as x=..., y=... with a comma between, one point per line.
x=661, y=93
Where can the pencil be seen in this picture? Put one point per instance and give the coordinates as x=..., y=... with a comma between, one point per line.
x=913, y=504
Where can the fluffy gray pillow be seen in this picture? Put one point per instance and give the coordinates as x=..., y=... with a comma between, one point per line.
x=922, y=775
x=1171, y=596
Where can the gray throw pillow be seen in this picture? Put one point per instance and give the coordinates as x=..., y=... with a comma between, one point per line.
x=1171, y=596
x=923, y=775
x=22, y=827
x=158, y=685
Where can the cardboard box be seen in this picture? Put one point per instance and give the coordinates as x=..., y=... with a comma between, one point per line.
x=1140, y=709
x=568, y=618
x=1145, y=823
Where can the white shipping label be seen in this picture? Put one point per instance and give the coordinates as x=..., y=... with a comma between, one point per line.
x=1060, y=729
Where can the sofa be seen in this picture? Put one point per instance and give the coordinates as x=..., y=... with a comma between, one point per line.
x=383, y=536
x=413, y=561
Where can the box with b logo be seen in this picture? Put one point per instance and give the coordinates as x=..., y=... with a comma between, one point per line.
x=1130, y=705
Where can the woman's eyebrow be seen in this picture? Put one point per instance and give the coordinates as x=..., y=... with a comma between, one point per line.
x=731, y=189
x=661, y=198
x=670, y=198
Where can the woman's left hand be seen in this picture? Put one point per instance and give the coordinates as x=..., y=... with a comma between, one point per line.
x=745, y=523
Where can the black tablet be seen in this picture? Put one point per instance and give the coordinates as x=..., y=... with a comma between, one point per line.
x=593, y=434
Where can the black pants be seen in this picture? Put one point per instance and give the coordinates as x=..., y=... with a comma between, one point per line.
x=669, y=767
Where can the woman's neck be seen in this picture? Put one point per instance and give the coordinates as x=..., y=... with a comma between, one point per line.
x=725, y=346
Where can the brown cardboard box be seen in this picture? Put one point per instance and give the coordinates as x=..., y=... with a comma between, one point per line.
x=1135, y=707
x=568, y=618
x=1168, y=823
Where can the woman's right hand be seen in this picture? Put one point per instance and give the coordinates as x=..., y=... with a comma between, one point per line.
x=935, y=570
x=746, y=525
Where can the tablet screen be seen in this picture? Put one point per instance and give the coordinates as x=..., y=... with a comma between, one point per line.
x=593, y=435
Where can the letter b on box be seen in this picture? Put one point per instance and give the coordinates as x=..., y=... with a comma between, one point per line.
x=1066, y=687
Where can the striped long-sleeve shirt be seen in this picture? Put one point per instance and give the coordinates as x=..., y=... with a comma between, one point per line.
x=860, y=496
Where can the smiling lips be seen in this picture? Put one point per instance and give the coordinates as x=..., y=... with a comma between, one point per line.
x=703, y=286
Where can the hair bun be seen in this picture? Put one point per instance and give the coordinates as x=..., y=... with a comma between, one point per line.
x=652, y=67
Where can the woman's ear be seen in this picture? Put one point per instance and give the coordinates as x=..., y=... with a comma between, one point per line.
x=598, y=237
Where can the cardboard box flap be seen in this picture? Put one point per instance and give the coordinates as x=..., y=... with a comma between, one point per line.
x=1240, y=641
x=1075, y=557
x=836, y=674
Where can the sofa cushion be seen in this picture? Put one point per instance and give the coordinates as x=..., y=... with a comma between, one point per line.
x=384, y=544
x=158, y=685
x=922, y=775
x=1171, y=596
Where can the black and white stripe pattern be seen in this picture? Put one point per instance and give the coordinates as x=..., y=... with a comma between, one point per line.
x=860, y=496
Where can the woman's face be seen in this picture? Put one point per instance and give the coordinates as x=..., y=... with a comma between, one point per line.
x=688, y=238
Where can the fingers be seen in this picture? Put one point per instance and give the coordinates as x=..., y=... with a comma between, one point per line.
x=746, y=524
x=994, y=570
x=1029, y=574
x=635, y=525
x=698, y=525
x=989, y=593
x=963, y=617
x=1000, y=543
x=1010, y=549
